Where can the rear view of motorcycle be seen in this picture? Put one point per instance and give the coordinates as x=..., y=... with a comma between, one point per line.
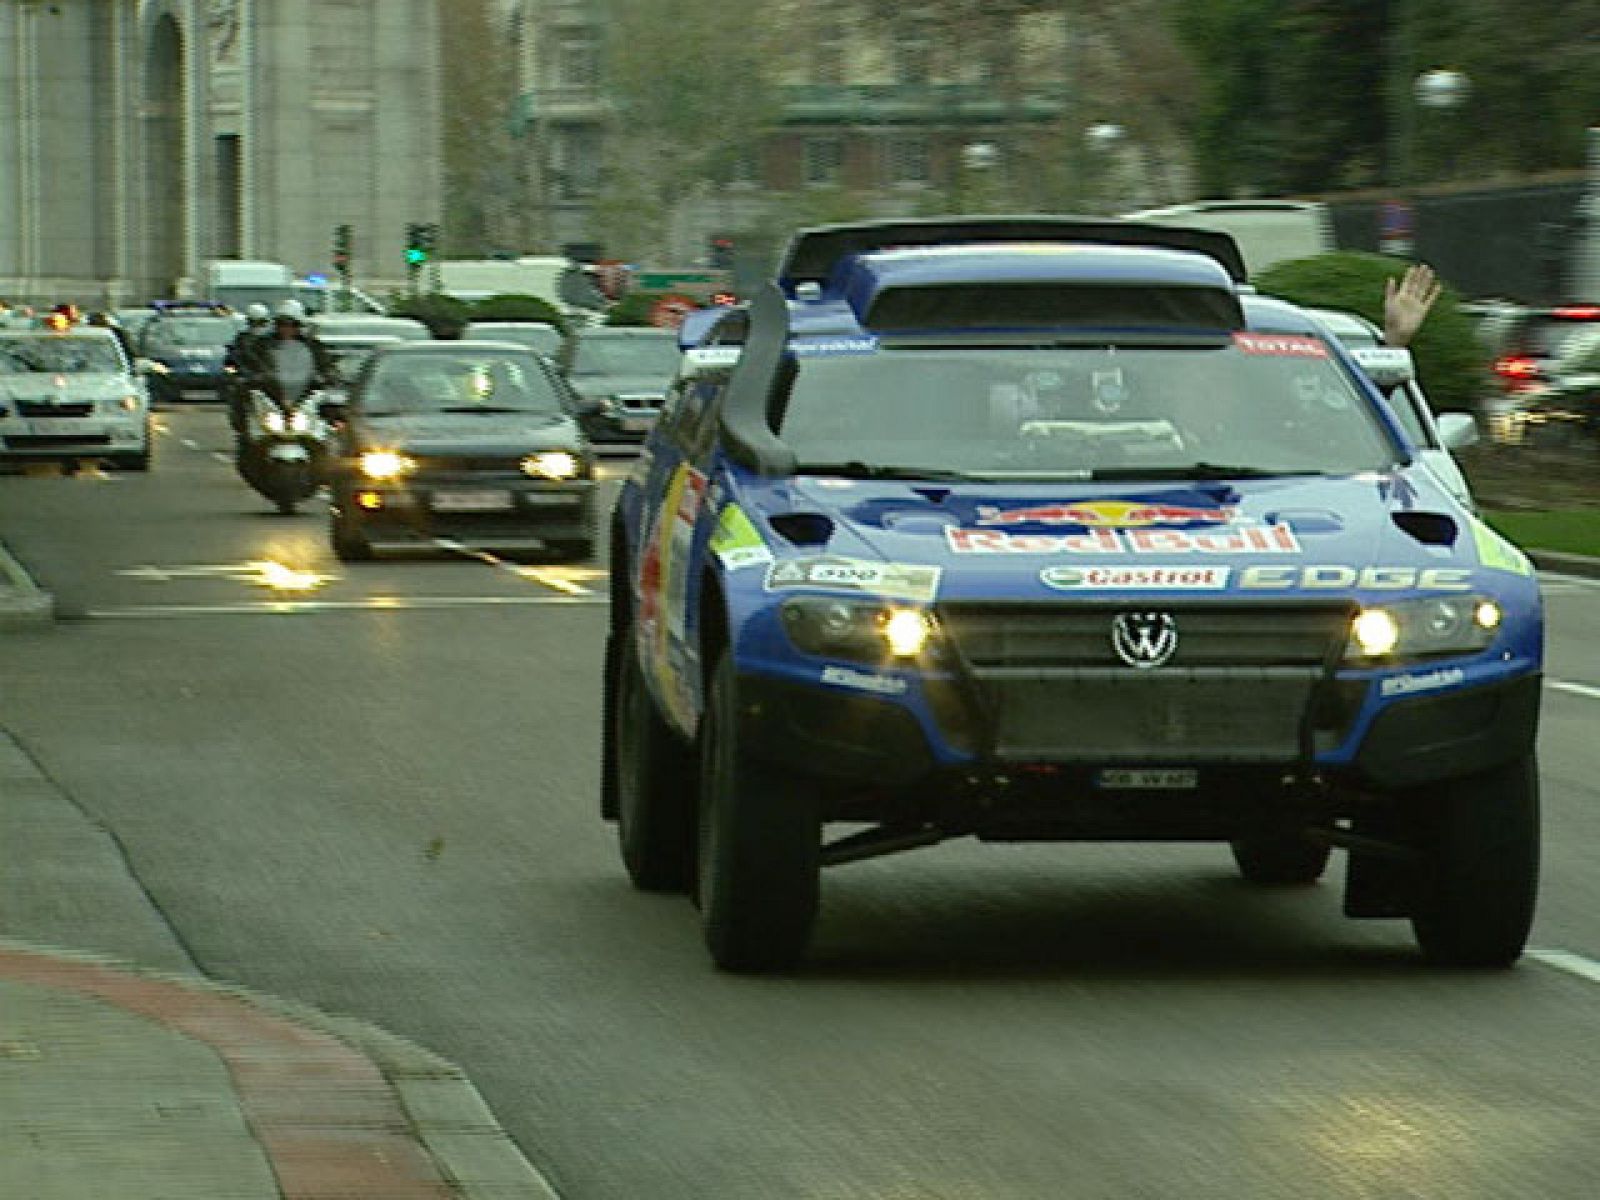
x=283, y=448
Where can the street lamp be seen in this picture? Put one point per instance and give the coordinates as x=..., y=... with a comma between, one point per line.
x=978, y=161
x=1443, y=91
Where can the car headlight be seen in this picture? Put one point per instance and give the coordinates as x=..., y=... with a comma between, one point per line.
x=871, y=632
x=300, y=422
x=1423, y=628
x=385, y=464
x=552, y=464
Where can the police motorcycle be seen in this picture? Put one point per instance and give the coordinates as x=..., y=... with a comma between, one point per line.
x=285, y=439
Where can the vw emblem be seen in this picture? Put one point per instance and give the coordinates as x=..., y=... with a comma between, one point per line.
x=1144, y=639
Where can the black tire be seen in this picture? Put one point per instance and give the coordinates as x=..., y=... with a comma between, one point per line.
x=1479, y=877
x=760, y=846
x=287, y=505
x=654, y=775
x=1280, y=859
x=132, y=462
x=349, y=543
x=580, y=550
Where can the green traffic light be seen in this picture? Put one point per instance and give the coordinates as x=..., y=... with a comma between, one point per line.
x=416, y=256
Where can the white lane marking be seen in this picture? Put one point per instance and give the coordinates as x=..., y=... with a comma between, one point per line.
x=549, y=576
x=274, y=608
x=225, y=459
x=1577, y=689
x=190, y=443
x=1565, y=960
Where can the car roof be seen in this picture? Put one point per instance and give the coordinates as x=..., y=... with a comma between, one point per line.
x=409, y=346
x=495, y=321
x=1348, y=325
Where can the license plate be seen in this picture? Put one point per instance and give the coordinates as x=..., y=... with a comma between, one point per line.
x=471, y=501
x=1150, y=779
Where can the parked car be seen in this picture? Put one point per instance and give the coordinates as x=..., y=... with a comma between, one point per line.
x=1012, y=529
x=1522, y=345
x=621, y=374
x=463, y=440
x=71, y=394
x=538, y=336
x=1394, y=372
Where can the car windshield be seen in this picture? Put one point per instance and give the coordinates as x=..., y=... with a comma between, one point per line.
x=59, y=355
x=544, y=339
x=654, y=356
x=1255, y=404
x=191, y=331
x=464, y=382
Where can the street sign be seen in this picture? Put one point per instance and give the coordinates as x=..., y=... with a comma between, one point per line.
x=666, y=281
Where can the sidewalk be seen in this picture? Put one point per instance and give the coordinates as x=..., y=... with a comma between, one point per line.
x=124, y=1082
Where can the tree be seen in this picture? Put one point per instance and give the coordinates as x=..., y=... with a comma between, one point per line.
x=479, y=160
x=693, y=90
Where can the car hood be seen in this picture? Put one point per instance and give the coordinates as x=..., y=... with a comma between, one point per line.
x=619, y=385
x=453, y=433
x=45, y=388
x=991, y=540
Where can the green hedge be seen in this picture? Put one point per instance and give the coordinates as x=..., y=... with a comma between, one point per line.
x=1449, y=364
x=513, y=306
x=632, y=309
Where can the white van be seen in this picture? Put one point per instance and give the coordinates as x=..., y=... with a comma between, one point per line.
x=1267, y=231
x=240, y=282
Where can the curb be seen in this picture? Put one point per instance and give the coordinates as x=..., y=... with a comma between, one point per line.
x=1566, y=564
x=442, y=1108
x=23, y=603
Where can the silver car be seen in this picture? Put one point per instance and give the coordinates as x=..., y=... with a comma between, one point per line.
x=71, y=394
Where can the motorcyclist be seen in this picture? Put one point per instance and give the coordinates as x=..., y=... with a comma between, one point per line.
x=258, y=324
x=284, y=364
x=289, y=359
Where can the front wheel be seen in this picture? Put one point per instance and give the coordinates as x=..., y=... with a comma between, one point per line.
x=1480, y=867
x=760, y=845
x=654, y=779
x=350, y=544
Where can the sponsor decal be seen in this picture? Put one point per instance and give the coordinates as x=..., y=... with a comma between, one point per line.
x=1114, y=578
x=828, y=347
x=1280, y=345
x=863, y=681
x=1497, y=554
x=1106, y=514
x=1338, y=577
x=897, y=581
x=1427, y=681
x=735, y=540
x=1236, y=539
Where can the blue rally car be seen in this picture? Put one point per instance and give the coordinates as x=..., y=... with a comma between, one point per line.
x=1048, y=529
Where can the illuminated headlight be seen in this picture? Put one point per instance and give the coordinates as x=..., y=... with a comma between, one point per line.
x=300, y=422
x=1426, y=627
x=385, y=464
x=274, y=422
x=552, y=464
x=863, y=631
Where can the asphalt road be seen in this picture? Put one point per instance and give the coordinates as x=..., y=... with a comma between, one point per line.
x=377, y=795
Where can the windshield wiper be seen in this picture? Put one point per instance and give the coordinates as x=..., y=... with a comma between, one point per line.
x=1200, y=470
x=855, y=469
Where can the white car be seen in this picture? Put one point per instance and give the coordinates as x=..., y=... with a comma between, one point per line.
x=1394, y=371
x=71, y=394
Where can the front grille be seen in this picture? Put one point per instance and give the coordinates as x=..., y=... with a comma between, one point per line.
x=506, y=464
x=31, y=408
x=1237, y=688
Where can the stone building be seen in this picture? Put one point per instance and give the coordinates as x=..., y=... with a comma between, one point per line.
x=879, y=110
x=139, y=138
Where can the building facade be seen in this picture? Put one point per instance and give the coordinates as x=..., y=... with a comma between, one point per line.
x=878, y=110
x=139, y=138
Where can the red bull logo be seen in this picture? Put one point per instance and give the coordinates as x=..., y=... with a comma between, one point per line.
x=1106, y=514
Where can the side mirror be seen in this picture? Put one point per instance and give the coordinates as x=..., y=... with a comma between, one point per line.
x=1457, y=430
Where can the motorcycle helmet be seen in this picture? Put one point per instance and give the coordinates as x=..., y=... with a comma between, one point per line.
x=290, y=310
x=257, y=314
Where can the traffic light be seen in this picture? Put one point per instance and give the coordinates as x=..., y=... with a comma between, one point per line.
x=341, y=248
x=720, y=256
x=416, y=244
